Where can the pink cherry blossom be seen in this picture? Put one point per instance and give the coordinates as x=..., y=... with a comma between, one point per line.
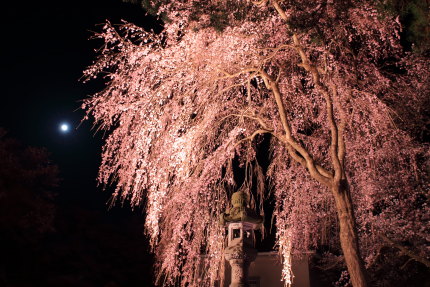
x=179, y=110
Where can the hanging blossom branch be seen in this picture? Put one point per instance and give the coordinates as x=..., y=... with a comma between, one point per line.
x=179, y=109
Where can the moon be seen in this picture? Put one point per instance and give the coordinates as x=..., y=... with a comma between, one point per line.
x=64, y=127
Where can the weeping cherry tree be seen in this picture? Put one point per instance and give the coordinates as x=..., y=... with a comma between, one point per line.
x=320, y=79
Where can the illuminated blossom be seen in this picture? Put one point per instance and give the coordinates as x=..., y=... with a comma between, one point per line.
x=181, y=105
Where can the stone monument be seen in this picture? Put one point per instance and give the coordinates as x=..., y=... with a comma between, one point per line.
x=241, y=222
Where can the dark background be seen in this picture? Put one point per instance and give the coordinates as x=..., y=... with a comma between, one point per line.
x=44, y=48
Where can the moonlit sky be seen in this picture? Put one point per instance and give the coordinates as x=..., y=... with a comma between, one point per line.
x=44, y=50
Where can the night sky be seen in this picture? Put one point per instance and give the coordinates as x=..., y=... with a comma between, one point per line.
x=45, y=47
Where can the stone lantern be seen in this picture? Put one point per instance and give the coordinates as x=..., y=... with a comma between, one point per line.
x=241, y=222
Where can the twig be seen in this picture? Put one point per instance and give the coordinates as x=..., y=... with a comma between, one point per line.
x=254, y=134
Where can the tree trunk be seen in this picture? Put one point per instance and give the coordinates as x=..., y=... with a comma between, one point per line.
x=348, y=234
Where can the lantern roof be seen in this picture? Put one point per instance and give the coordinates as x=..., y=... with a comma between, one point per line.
x=240, y=212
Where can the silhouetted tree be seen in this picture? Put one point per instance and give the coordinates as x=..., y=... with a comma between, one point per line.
x=28, y=180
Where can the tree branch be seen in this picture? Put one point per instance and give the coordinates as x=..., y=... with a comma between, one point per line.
x=406, y=251
x=228, y=75
x=253, y=135
x=296, y=151
x=307, y=65
x=332, y=265
x=292, y=145
x=260, y=3
x=406, y=263
x=256, y=118
x=279, y=10
x=341, y=128
x=274, y=51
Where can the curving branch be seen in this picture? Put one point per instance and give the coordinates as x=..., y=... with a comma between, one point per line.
x=279, y=10
x=253, y=135
x=406, y=251
x=303, y=156
x=334, y=145
x=252, y=117
x=228, y=75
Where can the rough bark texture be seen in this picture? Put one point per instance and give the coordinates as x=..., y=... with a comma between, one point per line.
x=348, y=235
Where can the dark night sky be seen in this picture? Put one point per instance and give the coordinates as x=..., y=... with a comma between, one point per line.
x=45, y=47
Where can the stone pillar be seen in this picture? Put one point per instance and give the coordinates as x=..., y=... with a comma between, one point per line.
x=240, y=252
x=239, y=272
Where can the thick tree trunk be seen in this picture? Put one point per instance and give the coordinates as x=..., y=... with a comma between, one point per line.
x=348, y=234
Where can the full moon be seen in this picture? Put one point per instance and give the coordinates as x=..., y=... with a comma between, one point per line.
x=64, y=127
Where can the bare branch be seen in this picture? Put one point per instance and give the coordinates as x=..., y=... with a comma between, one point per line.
x=252, y=117
x=279, y=10
x=341, y=128
x=406, y=251
x=229, y=75
x=275, y=51
x=253, y=135
x=260, y=3
x=292, y=145
x=376, y=258
x=332, y=265
x=406, y=263
x=307, y=65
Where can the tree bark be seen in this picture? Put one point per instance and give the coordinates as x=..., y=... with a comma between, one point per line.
x=348, y=234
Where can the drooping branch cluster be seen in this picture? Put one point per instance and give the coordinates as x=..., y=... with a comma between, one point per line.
x=180, y=106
